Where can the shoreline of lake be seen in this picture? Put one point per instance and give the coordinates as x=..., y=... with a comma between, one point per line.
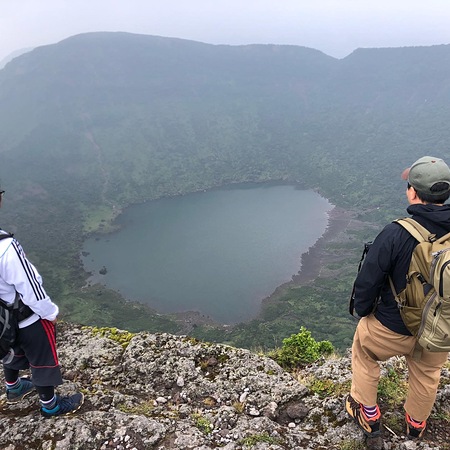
x=316, y=257
x=312, y=262
x=289, y=257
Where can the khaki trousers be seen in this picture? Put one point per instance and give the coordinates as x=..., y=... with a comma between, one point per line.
x=374, y=342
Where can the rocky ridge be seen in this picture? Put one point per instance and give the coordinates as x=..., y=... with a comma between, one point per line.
x=159, y=391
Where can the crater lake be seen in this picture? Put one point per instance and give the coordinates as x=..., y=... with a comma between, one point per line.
x=218, y=252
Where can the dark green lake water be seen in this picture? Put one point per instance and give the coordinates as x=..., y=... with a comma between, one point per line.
x=219, y=252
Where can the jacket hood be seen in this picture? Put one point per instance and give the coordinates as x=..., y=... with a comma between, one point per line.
x=439, y=215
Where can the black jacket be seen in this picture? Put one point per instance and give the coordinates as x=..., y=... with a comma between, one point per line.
x=390, y=254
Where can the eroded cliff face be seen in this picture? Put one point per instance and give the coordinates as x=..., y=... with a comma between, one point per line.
x=148, y=391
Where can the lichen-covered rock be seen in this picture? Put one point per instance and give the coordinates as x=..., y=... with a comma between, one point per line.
x=158, y=391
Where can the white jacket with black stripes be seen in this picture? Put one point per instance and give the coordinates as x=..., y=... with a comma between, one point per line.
x=18, y=274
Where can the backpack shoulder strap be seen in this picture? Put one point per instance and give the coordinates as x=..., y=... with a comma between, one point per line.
x=444, y=238
x=16, y=301
x=419, y=232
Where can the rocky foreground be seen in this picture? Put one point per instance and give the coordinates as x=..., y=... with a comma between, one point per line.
x=147, y=391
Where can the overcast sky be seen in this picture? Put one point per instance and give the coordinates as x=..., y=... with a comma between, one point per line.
x=336, y=27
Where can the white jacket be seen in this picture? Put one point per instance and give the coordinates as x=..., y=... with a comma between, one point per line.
x=18, y=274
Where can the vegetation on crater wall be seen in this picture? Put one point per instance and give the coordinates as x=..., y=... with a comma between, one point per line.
x=85, y=134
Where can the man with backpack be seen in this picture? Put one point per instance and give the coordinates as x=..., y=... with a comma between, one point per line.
x=384, y=330
x=35, y=345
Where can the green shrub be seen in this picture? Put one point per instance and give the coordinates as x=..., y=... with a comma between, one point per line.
x=300, y=348
x=325, y=387
x=255, y=439
x=202, y=423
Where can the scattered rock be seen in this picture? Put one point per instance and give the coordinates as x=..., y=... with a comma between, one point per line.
x=159, y=391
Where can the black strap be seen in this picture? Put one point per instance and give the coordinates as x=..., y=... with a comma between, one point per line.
x=24, y=311
x=8, y=310
x=351, y=306
x=18, y=308
x=364, y=253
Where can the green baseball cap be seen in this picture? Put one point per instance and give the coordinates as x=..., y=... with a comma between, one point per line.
x=426, y=172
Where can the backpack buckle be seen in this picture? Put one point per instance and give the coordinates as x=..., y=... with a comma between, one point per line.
x=421, y=278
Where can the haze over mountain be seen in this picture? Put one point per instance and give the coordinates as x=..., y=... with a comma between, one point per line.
x=102, y=120
x=100, y=99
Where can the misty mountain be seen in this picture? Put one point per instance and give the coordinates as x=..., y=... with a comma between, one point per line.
x=103, y=120
x=100, y=102
x=13, y=55
x=134, y=117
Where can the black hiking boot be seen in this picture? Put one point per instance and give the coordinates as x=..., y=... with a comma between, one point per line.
x=414, y=430
x=370, y=427
x=25, y=388
x=64, y=405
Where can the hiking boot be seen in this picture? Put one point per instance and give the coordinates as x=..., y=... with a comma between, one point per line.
x=370, y=427
x=414, y=430
x=64, y=405
x=26, y=387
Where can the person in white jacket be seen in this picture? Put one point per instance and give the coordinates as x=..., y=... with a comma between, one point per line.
x=35, y=346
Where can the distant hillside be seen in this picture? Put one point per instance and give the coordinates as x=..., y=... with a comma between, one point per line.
x=13, y=55
x=127, y=117
x=102, y=120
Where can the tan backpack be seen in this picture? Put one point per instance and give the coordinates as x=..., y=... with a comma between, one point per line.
x=425, y=302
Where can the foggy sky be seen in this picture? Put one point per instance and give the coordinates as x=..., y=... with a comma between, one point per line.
x=336, y=27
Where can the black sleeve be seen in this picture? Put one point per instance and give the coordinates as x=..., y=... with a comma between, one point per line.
x=374, y=271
